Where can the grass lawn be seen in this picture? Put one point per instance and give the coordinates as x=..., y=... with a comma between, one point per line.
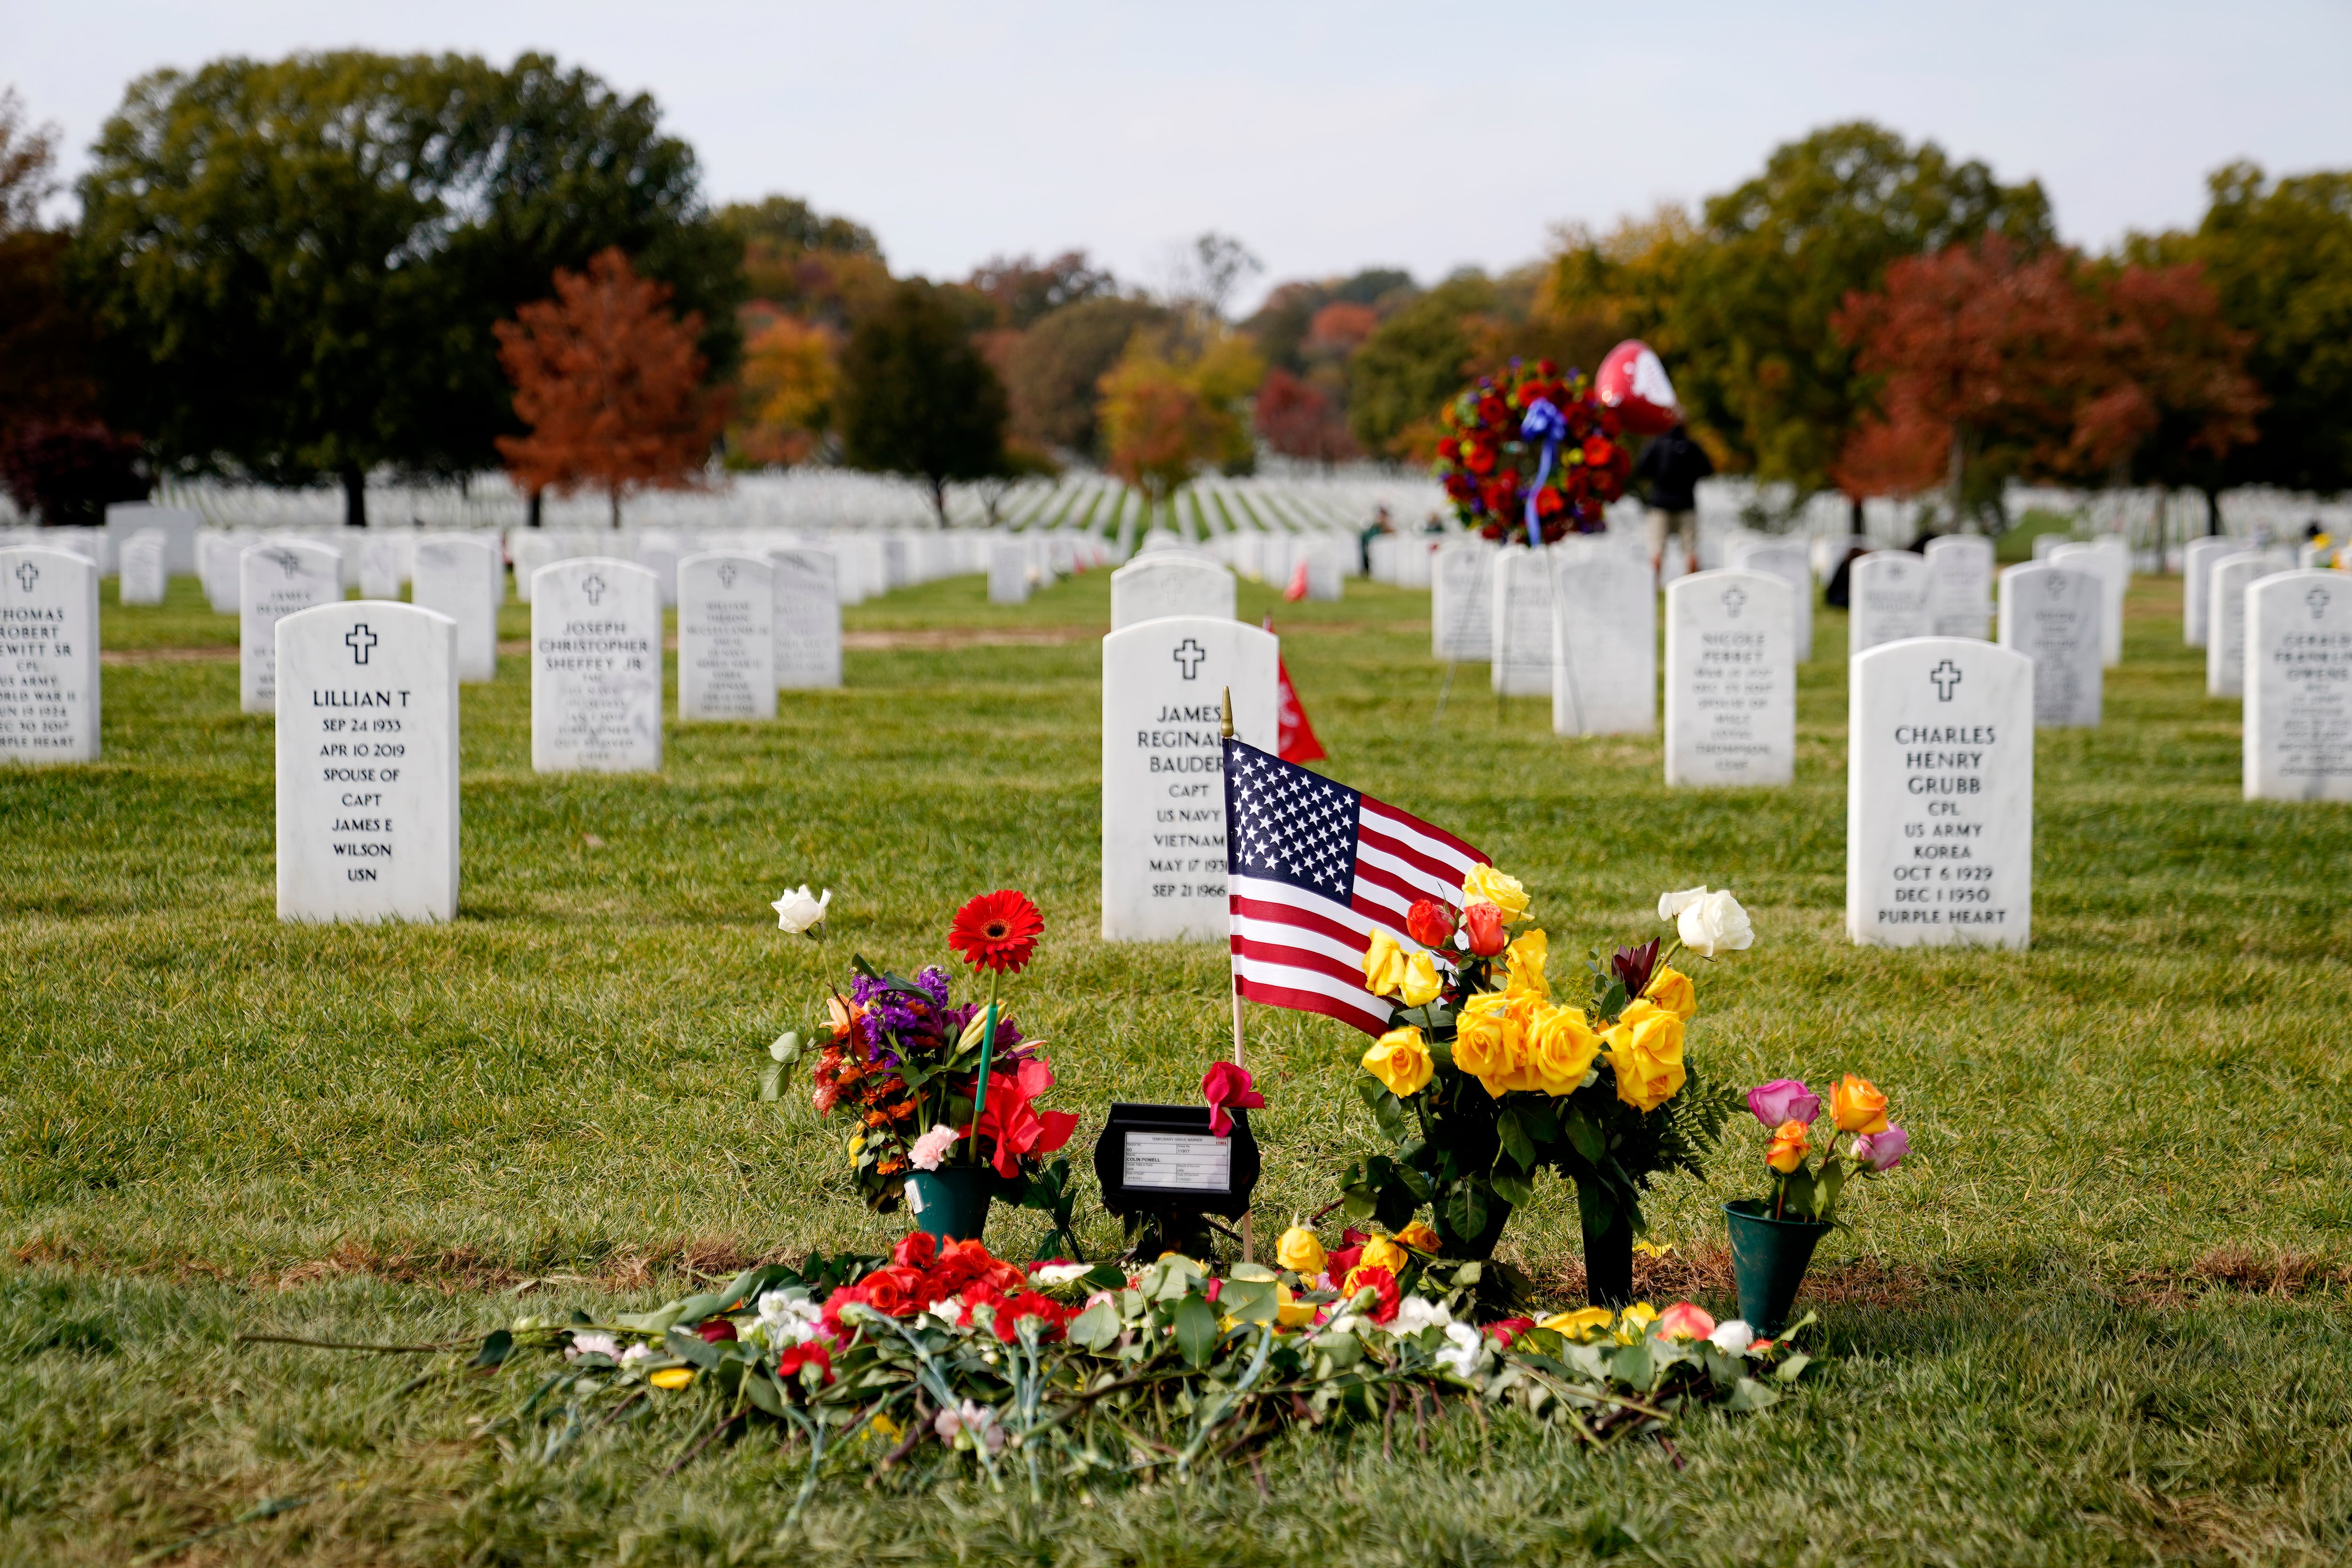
x=2100, y=1317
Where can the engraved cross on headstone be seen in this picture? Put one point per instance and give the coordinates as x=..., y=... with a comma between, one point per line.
x=358, y=639
x=27, y=573
x=290, y=563
x=727, y=573
x=594, y=588
x=1188, y=655
x=1734, y=597
x=1947, y=676
x=2318, y=600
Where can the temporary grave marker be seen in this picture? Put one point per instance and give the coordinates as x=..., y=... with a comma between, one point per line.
x=1163, y=799
x=276, y=581
x=367, y=763
x=457, y=577
x=726, y=636
x=2196, y=581
x=1170, y=581
x=1939, y=795
x=1520, y=659
x=1786, y=560
x=1960, y=584
x=1731, y=681
x=144, y=577
x=1162, y=1159
x=2051, y=614
x=48, y=656
x=1008, y=572
x=2110, y=557
x=2225, y=626
x=807, y=619
x=1605, y=647
x=1886, y=600
x=596, y=667
x=1462, y=603
x=2299, y=676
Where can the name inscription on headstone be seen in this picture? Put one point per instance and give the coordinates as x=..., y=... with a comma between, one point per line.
x=2298, y=732
x=596, y=667
x=1731, y=681
x=48, y=656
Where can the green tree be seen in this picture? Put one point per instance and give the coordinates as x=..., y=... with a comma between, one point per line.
x=916, y=397
x=1053, y=371
x=298, y=265
x=1418, y=359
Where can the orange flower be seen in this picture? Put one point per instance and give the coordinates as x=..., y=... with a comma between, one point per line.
x=1858, y=1106
x=1792, y=1141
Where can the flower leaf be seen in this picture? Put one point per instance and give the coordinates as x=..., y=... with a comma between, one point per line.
x=1196, y=1330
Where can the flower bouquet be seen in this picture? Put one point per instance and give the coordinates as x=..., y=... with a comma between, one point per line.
x=945, y=1093
x=1772, y=1239
x=1485, y=1079
x=1530, y=451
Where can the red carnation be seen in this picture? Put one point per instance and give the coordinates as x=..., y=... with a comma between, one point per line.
x=997, y=931
x=1430, y=922
x=916, y=1250
x=809, y=1353
x=1382, y=1282
x=1226, y=1084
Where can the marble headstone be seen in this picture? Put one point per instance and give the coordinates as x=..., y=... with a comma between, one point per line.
x=726, y=636
x=2051, y=614
x=658, y=554
x=179, y=526
x=382, y=556
x=807, y=619
x=596, y=667
x=454, y=576
x=1787, y=560
x=367, y=763
x=1604, y=647
x=2225, y=624
x=1008, y=572
x=1959, y=586
x=144, y=575
x=2298, y=731
x=217, y=569
x=1731, y=681
x=1163, y=798
x=1520, y=659
x=1887, y=600
x=274, y=581
x=2197, y=560
x=2111, y=559
x=1462, y=603
x=48, y=656
x=1939, y=795
x=1172, y=581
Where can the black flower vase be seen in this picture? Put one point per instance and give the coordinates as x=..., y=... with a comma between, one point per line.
x=1478, y=1248
x=1608, y=1256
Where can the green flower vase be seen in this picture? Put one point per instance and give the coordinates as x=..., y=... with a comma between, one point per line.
x=1769, y=1260
x=952, y=1202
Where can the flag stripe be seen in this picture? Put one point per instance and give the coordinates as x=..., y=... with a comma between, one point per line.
x=1325, y=970
x=1311, y=932
x=1439, y=844
x=1400, y=874
x=1281, y=985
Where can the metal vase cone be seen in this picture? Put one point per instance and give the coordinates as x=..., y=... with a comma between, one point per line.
x=1608, y=1258
x=952, y=1202
x=1768, y=1259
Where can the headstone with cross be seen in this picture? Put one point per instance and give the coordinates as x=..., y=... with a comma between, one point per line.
x=2225, y=628
x=1604, y=646
x=2110, y=557
x=596, y=667
x=276, y=580
x=1960, y=584
x=2298, y=678
x=453, y=576
x=1519, y=659
x=1886, y=600
x=1939, y=793
x=1176, y=582
x=48, y=656
x=726, y=636
x=367, y=763
x=2197, y=558
x=1163, y=803
x=807, y=617
x=2052, y=615
x=1731, y=681
x=144, y=573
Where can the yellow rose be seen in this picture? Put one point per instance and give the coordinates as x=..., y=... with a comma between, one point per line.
x=1562, y=1046
x=1421, y=982
x=1634, y=1323
x=1382, y=1253
x=1526, y=1008
x=1383, y=966
x=1486, y=885
x=1524, y=959
x=671, y=1377
x=1400, y=1059
x=1673, y=990
x=1418, y=1236
x=1579, y=1322
x=1645, y=1050
x=1301, y=1250
x=1481, y=1031
x=1290, y=1313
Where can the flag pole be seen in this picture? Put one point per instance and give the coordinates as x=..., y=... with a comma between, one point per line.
x=1225, y=727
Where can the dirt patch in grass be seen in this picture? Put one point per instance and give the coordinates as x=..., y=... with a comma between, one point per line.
x=1704, y=1272
x=2284, y=1274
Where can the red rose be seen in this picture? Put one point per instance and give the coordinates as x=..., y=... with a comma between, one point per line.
x=1339, y=1262
x=1483, y=922
x=916, y=1250
x=1509, y=1329
x=1478, y=456
x=1430, y=922
x=715, y=1330
x=809, y=1353
x=1599, y=452
x=1226, y=1084
x=892, y=1292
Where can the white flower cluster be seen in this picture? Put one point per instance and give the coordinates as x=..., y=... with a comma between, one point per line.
x=787, y=1317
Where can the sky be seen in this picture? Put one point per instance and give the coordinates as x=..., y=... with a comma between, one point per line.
x=1326, y=138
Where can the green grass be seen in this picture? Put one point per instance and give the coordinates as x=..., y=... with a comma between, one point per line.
x=2099, y=1318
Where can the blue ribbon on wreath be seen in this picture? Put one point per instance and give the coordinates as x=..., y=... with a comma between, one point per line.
x=1542, y=421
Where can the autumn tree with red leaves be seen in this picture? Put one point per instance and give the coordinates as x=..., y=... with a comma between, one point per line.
x=610, y=384
x=1299, y=420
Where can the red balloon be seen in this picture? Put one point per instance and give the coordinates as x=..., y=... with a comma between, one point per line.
x=1634, y=382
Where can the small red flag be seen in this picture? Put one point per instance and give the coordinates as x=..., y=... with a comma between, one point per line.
x=1295, y=739
x=1298, y=589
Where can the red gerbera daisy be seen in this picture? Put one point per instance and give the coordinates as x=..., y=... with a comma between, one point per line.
x=997, y=931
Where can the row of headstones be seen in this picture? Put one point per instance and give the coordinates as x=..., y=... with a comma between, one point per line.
x=1019, y=564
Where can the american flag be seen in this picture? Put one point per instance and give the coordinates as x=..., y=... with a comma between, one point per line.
x=1312, y=869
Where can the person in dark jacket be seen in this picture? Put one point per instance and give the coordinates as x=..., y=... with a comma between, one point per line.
x=1669, y=472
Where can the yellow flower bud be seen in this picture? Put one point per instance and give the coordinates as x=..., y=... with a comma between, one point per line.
x=1383, y=966
x=1422, y=983
x=1488, y=886
x=1301, y=1250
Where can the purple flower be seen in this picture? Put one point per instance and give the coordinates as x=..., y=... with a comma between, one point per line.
x=1632, y=965
x=1784, y=1099
x=1882, y=1151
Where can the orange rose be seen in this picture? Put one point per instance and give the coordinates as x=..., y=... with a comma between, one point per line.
x=1792, y=1141
x=1858, y=1106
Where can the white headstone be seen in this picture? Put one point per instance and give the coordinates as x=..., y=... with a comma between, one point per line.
x=1172, y=581
x=1326, y=575
x=1787, y=560
x=2051, y=614
x=2225, y=626
x=180, y=528
x=48, y=656
x=1959, y=586
x=1939, y=795
x=2197, y=560
x=1163, y=799
x=2299, y=686
x=1520, y=659
x=596, y=667
x=808, y=619
x=382, y=560
x=276, y=581
x=726, y=636
x=1008, y=572
x=658, y=554
x=367, y=763
x=1604, y=647
x=1462, y=603
x=217, y=568
x=146, y=576
x=1886, y=600
x=453, y=576
x=1731, y=681
x=2110, y=557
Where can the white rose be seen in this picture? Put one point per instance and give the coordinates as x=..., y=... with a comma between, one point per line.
x=1709, y=922
x=1672, y=904
x=1732, y=1336
x=1464, y=1350
x=799, y=909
